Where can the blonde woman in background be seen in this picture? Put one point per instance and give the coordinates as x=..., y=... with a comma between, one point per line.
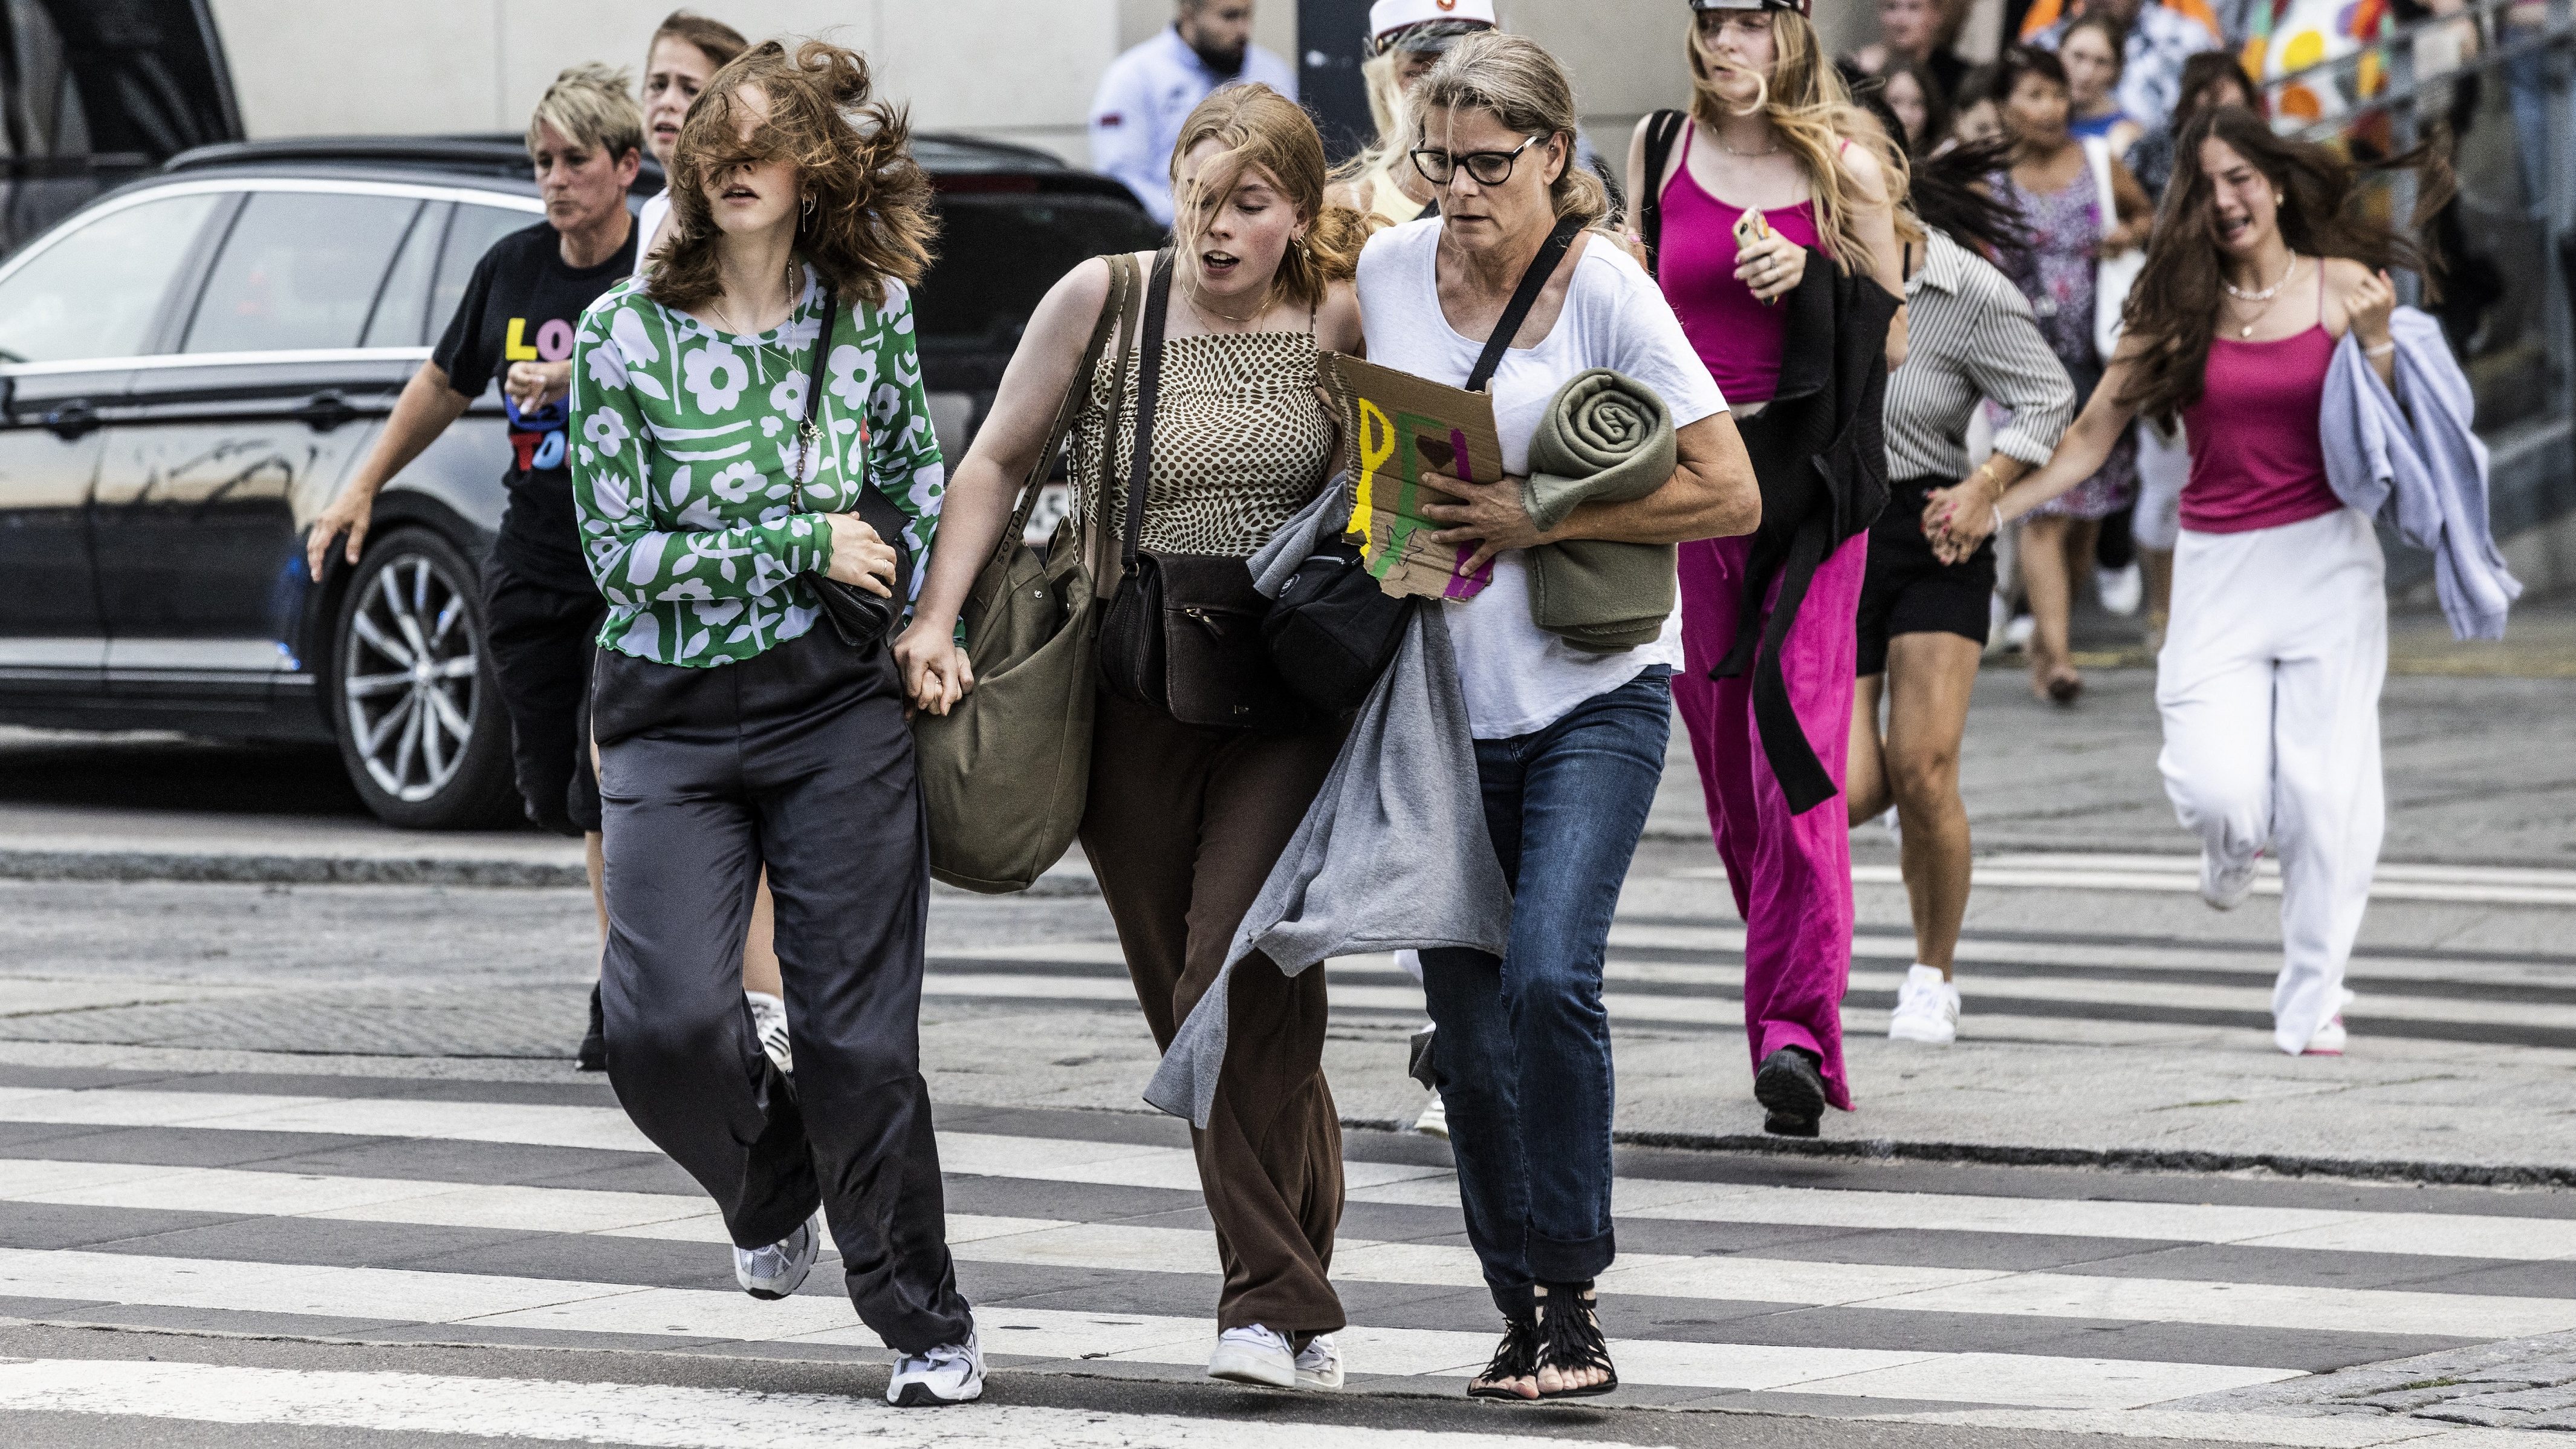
x=1406, y=39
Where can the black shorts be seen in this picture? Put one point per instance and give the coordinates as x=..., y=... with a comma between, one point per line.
x=541, y=640
x=1908, y=590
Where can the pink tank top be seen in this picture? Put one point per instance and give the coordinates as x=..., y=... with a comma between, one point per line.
x=1736, y=336
x=2256, y=459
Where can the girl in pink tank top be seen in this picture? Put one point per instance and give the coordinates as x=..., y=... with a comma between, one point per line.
x=2256, y=459
x=1766, y=92
x=1734, y=332
x=2268, y=682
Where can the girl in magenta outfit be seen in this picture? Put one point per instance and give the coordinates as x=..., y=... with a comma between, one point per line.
x=2264, y=266
x=1772, y=130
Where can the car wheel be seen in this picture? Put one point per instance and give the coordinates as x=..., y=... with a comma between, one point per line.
x=417, y=704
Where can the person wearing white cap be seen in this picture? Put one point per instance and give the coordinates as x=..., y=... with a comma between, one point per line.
x=1406, y=38
x=1147, y=93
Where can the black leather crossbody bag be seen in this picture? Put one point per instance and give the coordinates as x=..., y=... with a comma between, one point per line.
x=861, y=618
x=1332, y=631
x=1182, y=634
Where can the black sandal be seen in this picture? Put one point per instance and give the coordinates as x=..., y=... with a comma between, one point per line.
x=1571, y=1343
x=1516, y=1357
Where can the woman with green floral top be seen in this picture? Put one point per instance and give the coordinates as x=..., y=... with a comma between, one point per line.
x=736, y=728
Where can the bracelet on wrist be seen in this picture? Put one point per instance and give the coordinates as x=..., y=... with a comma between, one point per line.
x=2382, y=350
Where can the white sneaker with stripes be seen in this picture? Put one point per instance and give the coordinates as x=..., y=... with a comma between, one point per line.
x=778, y=1270
x=769, y=1022
x=949, y=1374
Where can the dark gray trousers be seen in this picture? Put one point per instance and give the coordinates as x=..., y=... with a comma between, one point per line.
x=798, y=760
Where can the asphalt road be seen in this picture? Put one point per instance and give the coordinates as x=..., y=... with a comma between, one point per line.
x=293, y=1164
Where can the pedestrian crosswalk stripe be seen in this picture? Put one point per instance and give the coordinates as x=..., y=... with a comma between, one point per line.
x=659, y=1415
x=1143, y=1165
x=2472, y=884
x=469, y=1302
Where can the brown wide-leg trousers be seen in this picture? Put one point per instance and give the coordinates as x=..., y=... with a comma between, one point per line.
x=1183, y=826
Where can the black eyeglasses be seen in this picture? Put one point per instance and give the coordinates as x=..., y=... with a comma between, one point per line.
x=1490, y=168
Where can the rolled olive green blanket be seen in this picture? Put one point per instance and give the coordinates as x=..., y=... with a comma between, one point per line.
x=1604, y=438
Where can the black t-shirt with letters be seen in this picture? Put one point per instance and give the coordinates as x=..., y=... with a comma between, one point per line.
x=524, y=304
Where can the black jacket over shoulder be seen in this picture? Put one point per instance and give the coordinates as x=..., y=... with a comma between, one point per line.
x=1820, y=455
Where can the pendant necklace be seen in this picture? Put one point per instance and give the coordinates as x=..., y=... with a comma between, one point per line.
x=2264, y=297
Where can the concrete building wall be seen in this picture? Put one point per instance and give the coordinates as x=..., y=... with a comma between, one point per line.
x=1021, y=70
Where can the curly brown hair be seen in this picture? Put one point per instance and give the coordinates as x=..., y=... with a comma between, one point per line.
x=869, y=211
x=2173, y=307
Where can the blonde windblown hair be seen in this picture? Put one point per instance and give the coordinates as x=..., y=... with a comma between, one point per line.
x=1516, y=80
x=1392, y=113
x=1263, y=130
x=1806, y=102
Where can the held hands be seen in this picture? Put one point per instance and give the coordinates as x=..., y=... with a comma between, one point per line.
x=535, y=386
x=1487, y=517
x=1770, y=266
x=861, y=557
x=2368, y=305
x=935, y=672
x=1958, y=519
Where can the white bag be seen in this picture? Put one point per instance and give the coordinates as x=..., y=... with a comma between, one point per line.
x=2113, y=275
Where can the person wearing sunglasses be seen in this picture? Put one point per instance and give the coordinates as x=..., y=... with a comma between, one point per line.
x=1569, y=740
x=1775, y=239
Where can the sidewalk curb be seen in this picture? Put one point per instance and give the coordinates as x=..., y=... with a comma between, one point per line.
x=2128, y=1159
x=2125, y=1159
x=231, y=868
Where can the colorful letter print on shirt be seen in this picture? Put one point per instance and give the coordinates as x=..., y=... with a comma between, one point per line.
x=684, y=439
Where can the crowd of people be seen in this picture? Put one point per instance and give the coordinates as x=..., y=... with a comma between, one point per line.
x=1853, y=318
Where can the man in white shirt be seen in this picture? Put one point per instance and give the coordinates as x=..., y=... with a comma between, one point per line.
x=1148, y=92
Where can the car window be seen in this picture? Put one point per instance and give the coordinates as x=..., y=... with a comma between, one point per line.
x=469, y=236
x=400, y=317
x=998, y=255
x=300, y=270
x=95, y=291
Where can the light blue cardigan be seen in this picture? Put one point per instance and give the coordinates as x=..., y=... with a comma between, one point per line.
x=2419, y=467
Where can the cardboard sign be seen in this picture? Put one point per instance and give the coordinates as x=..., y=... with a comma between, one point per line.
x=1401, y=426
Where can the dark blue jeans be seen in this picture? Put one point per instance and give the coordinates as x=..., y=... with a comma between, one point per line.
x=1523, y=1050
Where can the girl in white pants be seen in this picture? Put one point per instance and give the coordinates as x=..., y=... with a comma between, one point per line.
x=2270, y=672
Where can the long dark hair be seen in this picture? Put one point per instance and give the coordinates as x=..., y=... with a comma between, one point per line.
x=2173, y=308
x=1946, y=197
x=871, y=219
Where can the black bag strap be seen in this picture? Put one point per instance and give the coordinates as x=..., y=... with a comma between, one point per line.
x=1113, y=309
x=1533, y=282
x=807, y=430
x=1662, y=130
x=1149, y=384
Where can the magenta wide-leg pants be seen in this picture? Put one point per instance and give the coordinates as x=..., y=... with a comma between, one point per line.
x=1791, y=873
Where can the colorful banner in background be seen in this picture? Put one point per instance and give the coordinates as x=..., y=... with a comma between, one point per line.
x=1403, y=427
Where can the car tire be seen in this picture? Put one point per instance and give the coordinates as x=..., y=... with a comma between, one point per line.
x=415, y=701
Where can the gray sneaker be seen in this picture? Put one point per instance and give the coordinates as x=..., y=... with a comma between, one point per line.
x=779, y=1269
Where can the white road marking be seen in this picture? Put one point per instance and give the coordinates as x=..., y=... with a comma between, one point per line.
x=659, y=1415
x=1115, y=1164
x=382, y=1295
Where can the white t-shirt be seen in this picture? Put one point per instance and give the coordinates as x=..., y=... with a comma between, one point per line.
x=1519, y=678
x=647, y=223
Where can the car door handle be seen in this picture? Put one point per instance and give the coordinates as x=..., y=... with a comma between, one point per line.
x=71, y=419
x=326, y=410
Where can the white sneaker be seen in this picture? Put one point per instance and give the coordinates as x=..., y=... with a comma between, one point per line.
x=1927, y=1009
x=2225, y=887
x=952, y=1373
x=2018, y=632
x=2121, y=590
x=1253, y=1355
x=1434, y=1121
x=769, y=1022
x=1999, y=617
x=779, y=1269
x=1319, y=1363
x=2328, y=1042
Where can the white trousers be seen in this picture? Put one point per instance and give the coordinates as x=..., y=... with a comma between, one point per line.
x=2269, y=686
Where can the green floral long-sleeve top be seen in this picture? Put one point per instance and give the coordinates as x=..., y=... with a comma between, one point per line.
x=684, y=439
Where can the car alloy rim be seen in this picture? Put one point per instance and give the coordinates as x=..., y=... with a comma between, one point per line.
x=410, y=679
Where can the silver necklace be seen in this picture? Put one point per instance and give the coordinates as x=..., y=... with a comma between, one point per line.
x=1211, y=318
x=735, y=328
x=1731, y=151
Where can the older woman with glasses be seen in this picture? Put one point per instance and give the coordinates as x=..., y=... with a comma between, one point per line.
x=1569, y=740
